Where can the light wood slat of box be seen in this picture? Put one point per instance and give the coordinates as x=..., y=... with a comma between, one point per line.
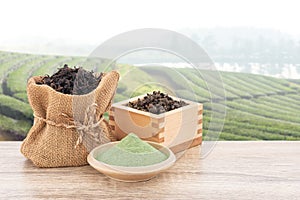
x=178, y=129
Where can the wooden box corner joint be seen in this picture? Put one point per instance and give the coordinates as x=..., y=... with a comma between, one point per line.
x=178, y=129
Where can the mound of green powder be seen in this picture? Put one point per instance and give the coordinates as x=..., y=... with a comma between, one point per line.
x=131, y=151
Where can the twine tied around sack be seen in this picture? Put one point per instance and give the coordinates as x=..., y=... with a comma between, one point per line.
x=87, y=132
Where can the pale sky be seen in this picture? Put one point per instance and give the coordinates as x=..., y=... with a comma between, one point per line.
x=91, y=22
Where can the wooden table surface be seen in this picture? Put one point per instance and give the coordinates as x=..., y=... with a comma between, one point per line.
x=233, y=170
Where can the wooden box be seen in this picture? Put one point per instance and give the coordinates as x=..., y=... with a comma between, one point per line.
x=178, y=129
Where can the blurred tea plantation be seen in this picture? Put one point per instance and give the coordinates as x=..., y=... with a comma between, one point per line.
x=257, y=107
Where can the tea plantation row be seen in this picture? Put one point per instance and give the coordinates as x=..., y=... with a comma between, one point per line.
x=257, y=107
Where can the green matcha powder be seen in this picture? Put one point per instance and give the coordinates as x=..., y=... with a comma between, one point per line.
x=131, y=151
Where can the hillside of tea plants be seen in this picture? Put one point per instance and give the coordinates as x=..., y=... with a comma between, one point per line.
x=257, y=107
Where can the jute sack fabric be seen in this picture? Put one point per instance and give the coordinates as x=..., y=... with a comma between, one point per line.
x=67, y=127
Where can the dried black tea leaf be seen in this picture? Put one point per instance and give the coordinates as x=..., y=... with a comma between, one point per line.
x=74, y=81
x=156, y=103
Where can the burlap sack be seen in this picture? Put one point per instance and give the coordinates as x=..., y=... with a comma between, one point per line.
x=64, y=124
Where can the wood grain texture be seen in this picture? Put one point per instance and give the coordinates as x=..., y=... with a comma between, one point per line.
x=234, y=170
